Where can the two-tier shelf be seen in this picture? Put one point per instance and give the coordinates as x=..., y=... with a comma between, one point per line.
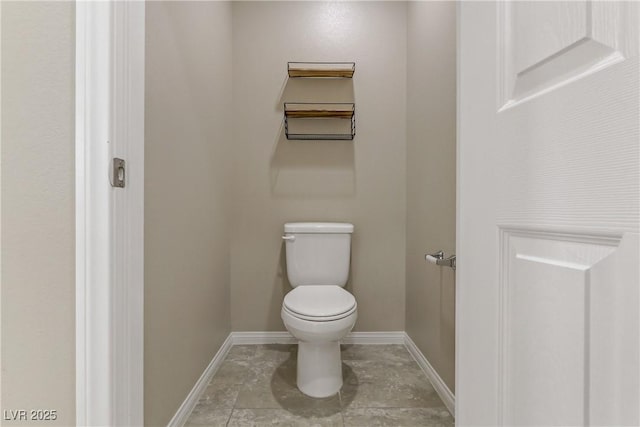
x=310, y=121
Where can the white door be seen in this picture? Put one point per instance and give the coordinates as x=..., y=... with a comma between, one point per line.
x=548, y=215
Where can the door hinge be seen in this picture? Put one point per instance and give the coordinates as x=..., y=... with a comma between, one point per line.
x=117, y=173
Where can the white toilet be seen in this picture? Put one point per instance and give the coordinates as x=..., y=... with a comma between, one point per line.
x=318, y=312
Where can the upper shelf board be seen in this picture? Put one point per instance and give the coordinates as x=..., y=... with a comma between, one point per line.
x=321, y=69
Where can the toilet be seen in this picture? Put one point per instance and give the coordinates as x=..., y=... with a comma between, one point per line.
x=318, y=312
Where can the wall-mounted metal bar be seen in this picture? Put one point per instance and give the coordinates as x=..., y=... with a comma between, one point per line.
x=439, y=259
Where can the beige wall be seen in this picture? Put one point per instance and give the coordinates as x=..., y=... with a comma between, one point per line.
x=405, y=122
x=276, y=180
x=38, y=239
x=431, y=180
x=187, y=206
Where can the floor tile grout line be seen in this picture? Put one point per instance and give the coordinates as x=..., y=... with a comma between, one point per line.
x=233, y=408
x=400, y=407
x=229, y=419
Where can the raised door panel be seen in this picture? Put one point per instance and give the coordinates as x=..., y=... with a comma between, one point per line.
x=564, y=23
x=543, y=45
x=614, y=350
x=561, y=319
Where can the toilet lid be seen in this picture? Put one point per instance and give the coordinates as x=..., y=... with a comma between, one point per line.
x=319, y=301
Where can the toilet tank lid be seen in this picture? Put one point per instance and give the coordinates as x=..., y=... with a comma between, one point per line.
x=318, y=227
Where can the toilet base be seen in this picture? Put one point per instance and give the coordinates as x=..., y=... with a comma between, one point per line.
x=319, y=368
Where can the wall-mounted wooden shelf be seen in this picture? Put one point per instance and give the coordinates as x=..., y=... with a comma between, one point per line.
x=310, y=121
x=321, y=69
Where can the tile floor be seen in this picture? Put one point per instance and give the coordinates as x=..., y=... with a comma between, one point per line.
x=383, y=386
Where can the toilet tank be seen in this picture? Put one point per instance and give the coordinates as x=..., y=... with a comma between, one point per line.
x=318, y=253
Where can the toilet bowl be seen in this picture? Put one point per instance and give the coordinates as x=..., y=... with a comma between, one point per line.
x=318, y=312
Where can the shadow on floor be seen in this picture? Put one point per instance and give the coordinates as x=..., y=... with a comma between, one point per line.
x=290, y=398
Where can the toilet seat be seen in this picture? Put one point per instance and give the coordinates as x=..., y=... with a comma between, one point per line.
x=319, y=303
x=319, y=318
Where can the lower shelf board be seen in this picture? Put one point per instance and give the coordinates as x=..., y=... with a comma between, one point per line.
x=316, y=114
x=319, y=121
x=320, y=137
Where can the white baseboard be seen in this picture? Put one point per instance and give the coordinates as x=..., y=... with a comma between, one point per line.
x=248, y=338
x=380, y=338
x=191, y=401
x=438, y=384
